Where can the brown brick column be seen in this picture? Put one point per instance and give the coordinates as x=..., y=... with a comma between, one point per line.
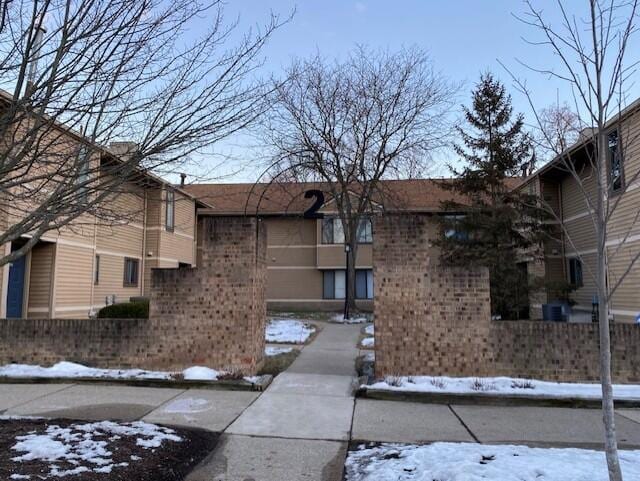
x=429, y=319
x=214, y=314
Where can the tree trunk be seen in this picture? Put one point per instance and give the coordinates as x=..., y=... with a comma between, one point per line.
x=608, y=417
x=350, y=300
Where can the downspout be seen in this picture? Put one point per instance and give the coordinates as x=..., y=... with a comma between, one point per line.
x=93, y=265
x=144, y=244
x=562, y=236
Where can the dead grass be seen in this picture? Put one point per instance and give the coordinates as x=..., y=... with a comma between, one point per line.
x=274, y=365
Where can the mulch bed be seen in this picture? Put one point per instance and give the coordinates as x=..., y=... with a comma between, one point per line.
x=171, y=461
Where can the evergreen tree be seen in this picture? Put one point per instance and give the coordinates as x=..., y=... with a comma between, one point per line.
x=500, y=225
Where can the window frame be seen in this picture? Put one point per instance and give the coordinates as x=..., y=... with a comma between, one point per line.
x=125, y=280
x=170, y=201
x=610, y=157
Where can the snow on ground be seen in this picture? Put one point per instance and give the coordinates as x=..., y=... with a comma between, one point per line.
x=352, y=320
x=369, y=330
x=367, y=342
x=200, y=373
x=66, y=369
x=86, y=446
x=288, y=331
x=476, y=462
x=276, y=350
x=504, y=386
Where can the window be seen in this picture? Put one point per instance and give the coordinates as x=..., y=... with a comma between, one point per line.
x=365, y=235
x=170, y=211
x=83, y=173
x=96, y=273
x=616, y=175
x=335, y=286
x=333, y=233
x=130, y=272
x=455, y=229
x=575, y=272
x=364, y=284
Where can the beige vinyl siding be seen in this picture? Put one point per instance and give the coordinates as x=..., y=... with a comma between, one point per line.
x=40, y=277
x=573, y=197
x=112, y=280
x=626, y=296
x=584, y=295
x=291, y=256
x=120, y=239
x=579, y=235
x=625, y=220
x=294, y=284
x=291, y=232
x=74, y=275
x=330, y=255
x=177, y=247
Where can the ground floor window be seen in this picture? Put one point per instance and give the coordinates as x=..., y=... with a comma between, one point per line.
x=335, y=286
x=130, y=272
x=575, y=272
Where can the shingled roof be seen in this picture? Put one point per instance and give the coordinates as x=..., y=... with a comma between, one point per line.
x=415, y=195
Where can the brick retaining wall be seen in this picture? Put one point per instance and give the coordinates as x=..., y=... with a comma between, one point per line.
x=213, y=315
x=435, y=320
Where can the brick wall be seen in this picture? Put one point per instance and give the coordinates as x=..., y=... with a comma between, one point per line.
x=435, y=320
x=212, y=315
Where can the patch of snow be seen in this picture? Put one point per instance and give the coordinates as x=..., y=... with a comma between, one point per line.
x=288, y=331
x=66, y=369
x=20, y=476
x=275, y=350
x=339, y=318
x=369, y=330
x=187, y=405
x=367, y=342
x=477, y=462
x=505, y=386
x=369, y=356
x=86, y=446
x=200, y=373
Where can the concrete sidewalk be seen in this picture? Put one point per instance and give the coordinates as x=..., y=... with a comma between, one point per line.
x=300, y=427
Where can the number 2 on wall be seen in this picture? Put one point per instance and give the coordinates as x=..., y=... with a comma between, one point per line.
x=312, y=212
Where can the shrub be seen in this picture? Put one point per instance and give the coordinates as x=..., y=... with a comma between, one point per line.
x=438, y=382
x=126, y=310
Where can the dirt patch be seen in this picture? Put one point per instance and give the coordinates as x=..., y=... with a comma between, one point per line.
x=40, y=449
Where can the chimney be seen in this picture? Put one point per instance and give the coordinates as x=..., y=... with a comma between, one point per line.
x=35, y=53
x=182, y=179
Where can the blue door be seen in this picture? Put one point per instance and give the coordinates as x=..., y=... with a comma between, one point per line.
x=16, y=288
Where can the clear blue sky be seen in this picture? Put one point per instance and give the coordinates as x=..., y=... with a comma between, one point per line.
x=464, y=39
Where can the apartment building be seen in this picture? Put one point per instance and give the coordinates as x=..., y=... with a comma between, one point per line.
x=306, y=258
x=75, y=270
x=570, y=257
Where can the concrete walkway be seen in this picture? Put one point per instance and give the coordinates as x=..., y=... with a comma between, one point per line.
x=300, y=427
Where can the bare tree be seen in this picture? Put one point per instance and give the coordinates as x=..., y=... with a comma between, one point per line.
x=350, y=124
x=593, y=49
x=559, y=128
x=79, y=76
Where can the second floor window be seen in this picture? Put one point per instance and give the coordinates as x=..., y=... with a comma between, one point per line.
x=130, y=272
x=170, y=211
x=83, y=173
x=616, y=176
x=333, y=233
